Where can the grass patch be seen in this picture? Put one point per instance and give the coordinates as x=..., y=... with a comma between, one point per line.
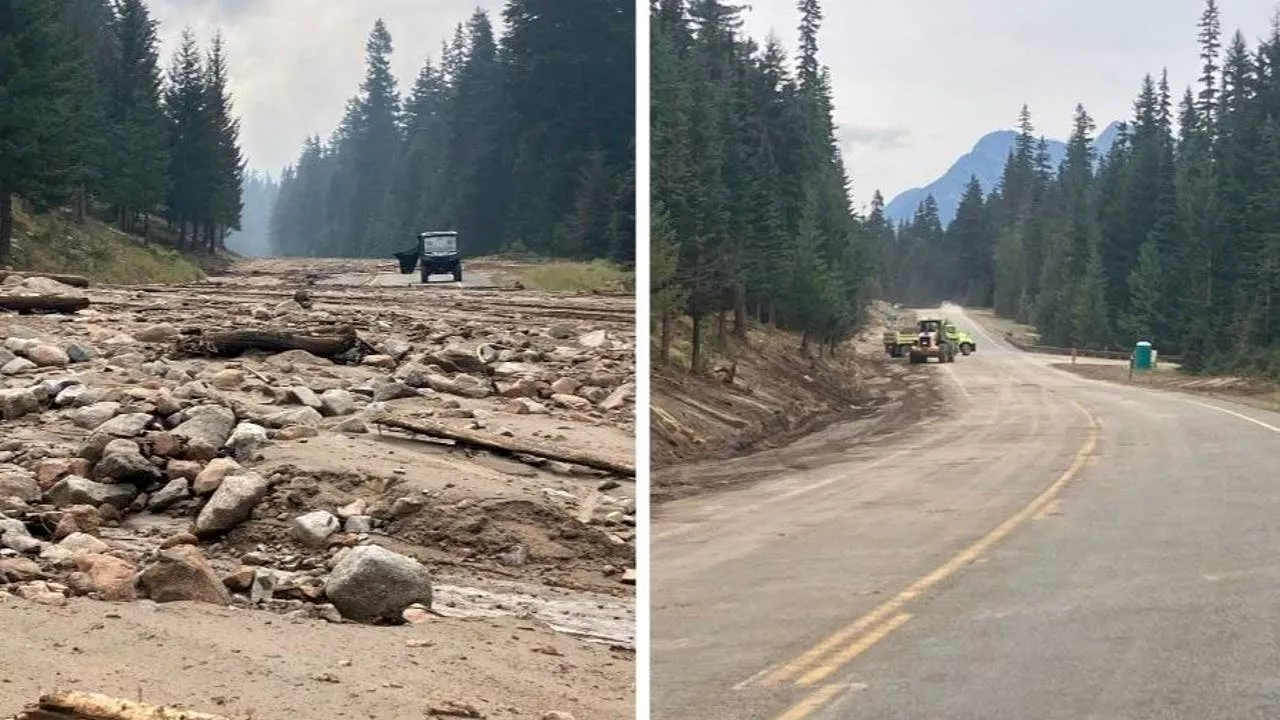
x=566, y=276
x=56, y=243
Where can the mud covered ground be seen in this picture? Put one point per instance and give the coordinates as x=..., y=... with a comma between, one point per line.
x=532, y=560
x=708, y=433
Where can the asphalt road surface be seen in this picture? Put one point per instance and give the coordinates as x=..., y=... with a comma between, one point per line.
x=1055, y=548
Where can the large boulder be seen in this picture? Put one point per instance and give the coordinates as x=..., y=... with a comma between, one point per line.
x=18, y=402
x=372, y=584
x=458, y=358
x=122, y=461
x=246, y=440
x=206, y=430
x=18, y=482
x=182, y=573
x=76, y=490
x=294, y=416
x=232, y=503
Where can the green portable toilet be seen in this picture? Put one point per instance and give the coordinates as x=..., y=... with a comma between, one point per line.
x=1142, y=356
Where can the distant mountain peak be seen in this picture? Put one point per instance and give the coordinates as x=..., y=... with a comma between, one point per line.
x=986, y=162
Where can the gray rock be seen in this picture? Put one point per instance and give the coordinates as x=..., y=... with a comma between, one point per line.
x=18, y=402
x=413, y=375
x=457, y=358
x=93, y=416
x=302, y=396
x=73, y=396
x=246, y=440
x=17, y=366
x=263, y=585
x=206, y=430
x=6, y=356
x=18, y=482
x=166, y=497
x=75, y=490
x=122, y=462
x=355, y=426
x=335, y=403
x=20, y=345
x=79, y=543
x=372, y=583
x=595, y=339
x=393, y=391
x=24, y=544
x=395, y=347
x=182, y=573
x=314, y=528
x=358, y=524
x=80, y=353
x=11, y=526
x=161, y=333
x=124, y=426
x=458, y=386
x=232, y=503
x=294, y=416
x=619, y=397
x=48, y=356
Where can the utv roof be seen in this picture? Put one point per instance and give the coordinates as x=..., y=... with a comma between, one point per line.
x=437, y=233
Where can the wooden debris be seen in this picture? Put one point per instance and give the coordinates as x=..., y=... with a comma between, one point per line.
x=91, y=706
x=510, y=445
x=73, y=280
x=232, y=343
x=43, y=303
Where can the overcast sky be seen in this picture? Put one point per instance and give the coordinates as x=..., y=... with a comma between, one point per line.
x=917, y=82
x=294, y=63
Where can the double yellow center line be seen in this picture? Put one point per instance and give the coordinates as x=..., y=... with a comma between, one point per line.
x=829, y=656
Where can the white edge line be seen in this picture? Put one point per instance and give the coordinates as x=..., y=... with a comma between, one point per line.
x=1233, y=413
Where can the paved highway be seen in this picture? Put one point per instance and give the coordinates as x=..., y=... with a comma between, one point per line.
x=1056, y=547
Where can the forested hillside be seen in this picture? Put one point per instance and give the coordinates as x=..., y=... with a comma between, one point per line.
x=1175, y=239
x=751, y=208
x=88, y=119
x=523, y=142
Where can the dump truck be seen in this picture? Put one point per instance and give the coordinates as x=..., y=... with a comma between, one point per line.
x=931, y=342
x=898, y=342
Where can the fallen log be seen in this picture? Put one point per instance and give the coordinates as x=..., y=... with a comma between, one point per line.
x=91, y=706
x=79, y=281
x=510, y=445
x=43, y=303
x=234, y=342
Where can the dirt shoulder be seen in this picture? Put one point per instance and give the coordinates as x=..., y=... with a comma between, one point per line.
x=123, y=579
x=778, y=396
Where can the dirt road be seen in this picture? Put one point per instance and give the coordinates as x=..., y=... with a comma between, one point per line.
x=1052, y=547
x=531, y=560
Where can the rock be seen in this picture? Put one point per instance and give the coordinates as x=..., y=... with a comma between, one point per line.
x=76, y=490
x=458, y=386
x=335, y=403
x=413, y=374
x=47, y=472
x=166, y=404
x=246, y=440
x=296, y=432
x=79, y=543
x=293, y=416
x=557, y=715
x=297, y=357
x=416, y=614
x=124, y=426
x=48, y=356
x=314, y=528
x=110, y=577
x=263, y=585
x=182, y=573
x=521, y=388
x=166, y=497
x=358, y=524
x=572, y=402
x=165, y=444
x=560, y=332
x=74, y=395
x=227, y=379
x=80, y=353
x=302, y=396
x=6, y=356
x=458, y=359
x=372, y=583
x=18, y=402
x=517, y=556
x=80, y=519
x=162, y=333
x=619, y=397
x=594, y=339
x=19, y=569
x=379, y=361
x=93, y=416
x=179, y=539
x=17, y=366
x=21, y=543
x=393, y=391
x=355, y=507
x=19, y=483
x=406, y=506
x=526, y=406
x=182, y=470
x=231, y=503
x=213, y=474
x=42, y=593
x=355, y=426
x=565, y=385
x=206, y=430
x=122, y=461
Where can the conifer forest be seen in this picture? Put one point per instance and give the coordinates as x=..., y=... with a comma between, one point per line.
x=92, y=121
x=521, y=140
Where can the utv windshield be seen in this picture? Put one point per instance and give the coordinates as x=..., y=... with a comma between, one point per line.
x=439, y=244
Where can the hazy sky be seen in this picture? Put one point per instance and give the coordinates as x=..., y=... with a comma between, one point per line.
x=917, y=82
x=294, y=63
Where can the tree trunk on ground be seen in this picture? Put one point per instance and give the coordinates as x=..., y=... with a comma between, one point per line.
x=6, y=227
x=43, y=303
x=234, y=342
x=90, y=706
